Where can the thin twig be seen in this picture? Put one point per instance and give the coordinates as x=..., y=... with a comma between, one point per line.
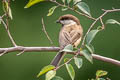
x=9, y=34
x=21, y=53
x=58, y=67
x=3, y=15
x=113, y=10
x=46, y=32
x=103, y=26
x=3, y=53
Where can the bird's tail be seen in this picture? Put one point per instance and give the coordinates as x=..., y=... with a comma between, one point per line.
x=57, y=59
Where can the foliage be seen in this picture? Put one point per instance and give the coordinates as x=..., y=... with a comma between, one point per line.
x=90, y=36
x=7, y=9
x=78, y=62
x=70, y=70
x=46, y=69
x=84, y=7
x=33, y=2
x=51, y=10
x=68, y=48
x=112, y=21
x=50, y=74
x=100, y=74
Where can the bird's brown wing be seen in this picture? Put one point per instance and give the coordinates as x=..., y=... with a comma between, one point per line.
x=75, y=37
x=64, y=39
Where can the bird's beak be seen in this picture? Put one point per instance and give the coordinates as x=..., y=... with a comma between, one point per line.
x=57, y=21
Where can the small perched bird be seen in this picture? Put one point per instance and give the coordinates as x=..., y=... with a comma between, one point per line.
x=70, y=33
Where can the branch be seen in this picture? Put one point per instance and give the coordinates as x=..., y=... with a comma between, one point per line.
x=106, y=59
x=54, y=49
x=29, y=49
x=99, y=18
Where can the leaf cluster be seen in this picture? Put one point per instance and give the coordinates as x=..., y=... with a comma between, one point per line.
x=100, y=75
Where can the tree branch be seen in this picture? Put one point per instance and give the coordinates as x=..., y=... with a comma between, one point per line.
x=54, y=49
x=99, y=18
x=106, y=59
x=29, y=49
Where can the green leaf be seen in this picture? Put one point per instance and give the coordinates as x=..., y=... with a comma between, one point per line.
x=101, y=79
x=101, y=73
x=90, y=48
x=33, y=2
x=63, y=1
x=78, y=62
x=87, y=55
x=10, y=13
x=51, y=10
x=90, y=36
x=70, y=70
x=64, y=8
x=112, y=21
x=76, y=1
x=46, y=69
x=57, y=78
x=66, y=59
x=50, y=75
x=68, y=48
x=84, y=7
x=7, y=9
x=99, y=27
x=5, y=6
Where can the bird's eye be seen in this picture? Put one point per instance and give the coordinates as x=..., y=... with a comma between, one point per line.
x=65, y=18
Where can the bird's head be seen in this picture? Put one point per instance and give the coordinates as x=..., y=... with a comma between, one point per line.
x=68, y=19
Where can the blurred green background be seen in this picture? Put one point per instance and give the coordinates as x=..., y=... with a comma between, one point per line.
x=26, y=29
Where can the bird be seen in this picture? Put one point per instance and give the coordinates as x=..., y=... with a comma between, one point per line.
x=70, y=33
